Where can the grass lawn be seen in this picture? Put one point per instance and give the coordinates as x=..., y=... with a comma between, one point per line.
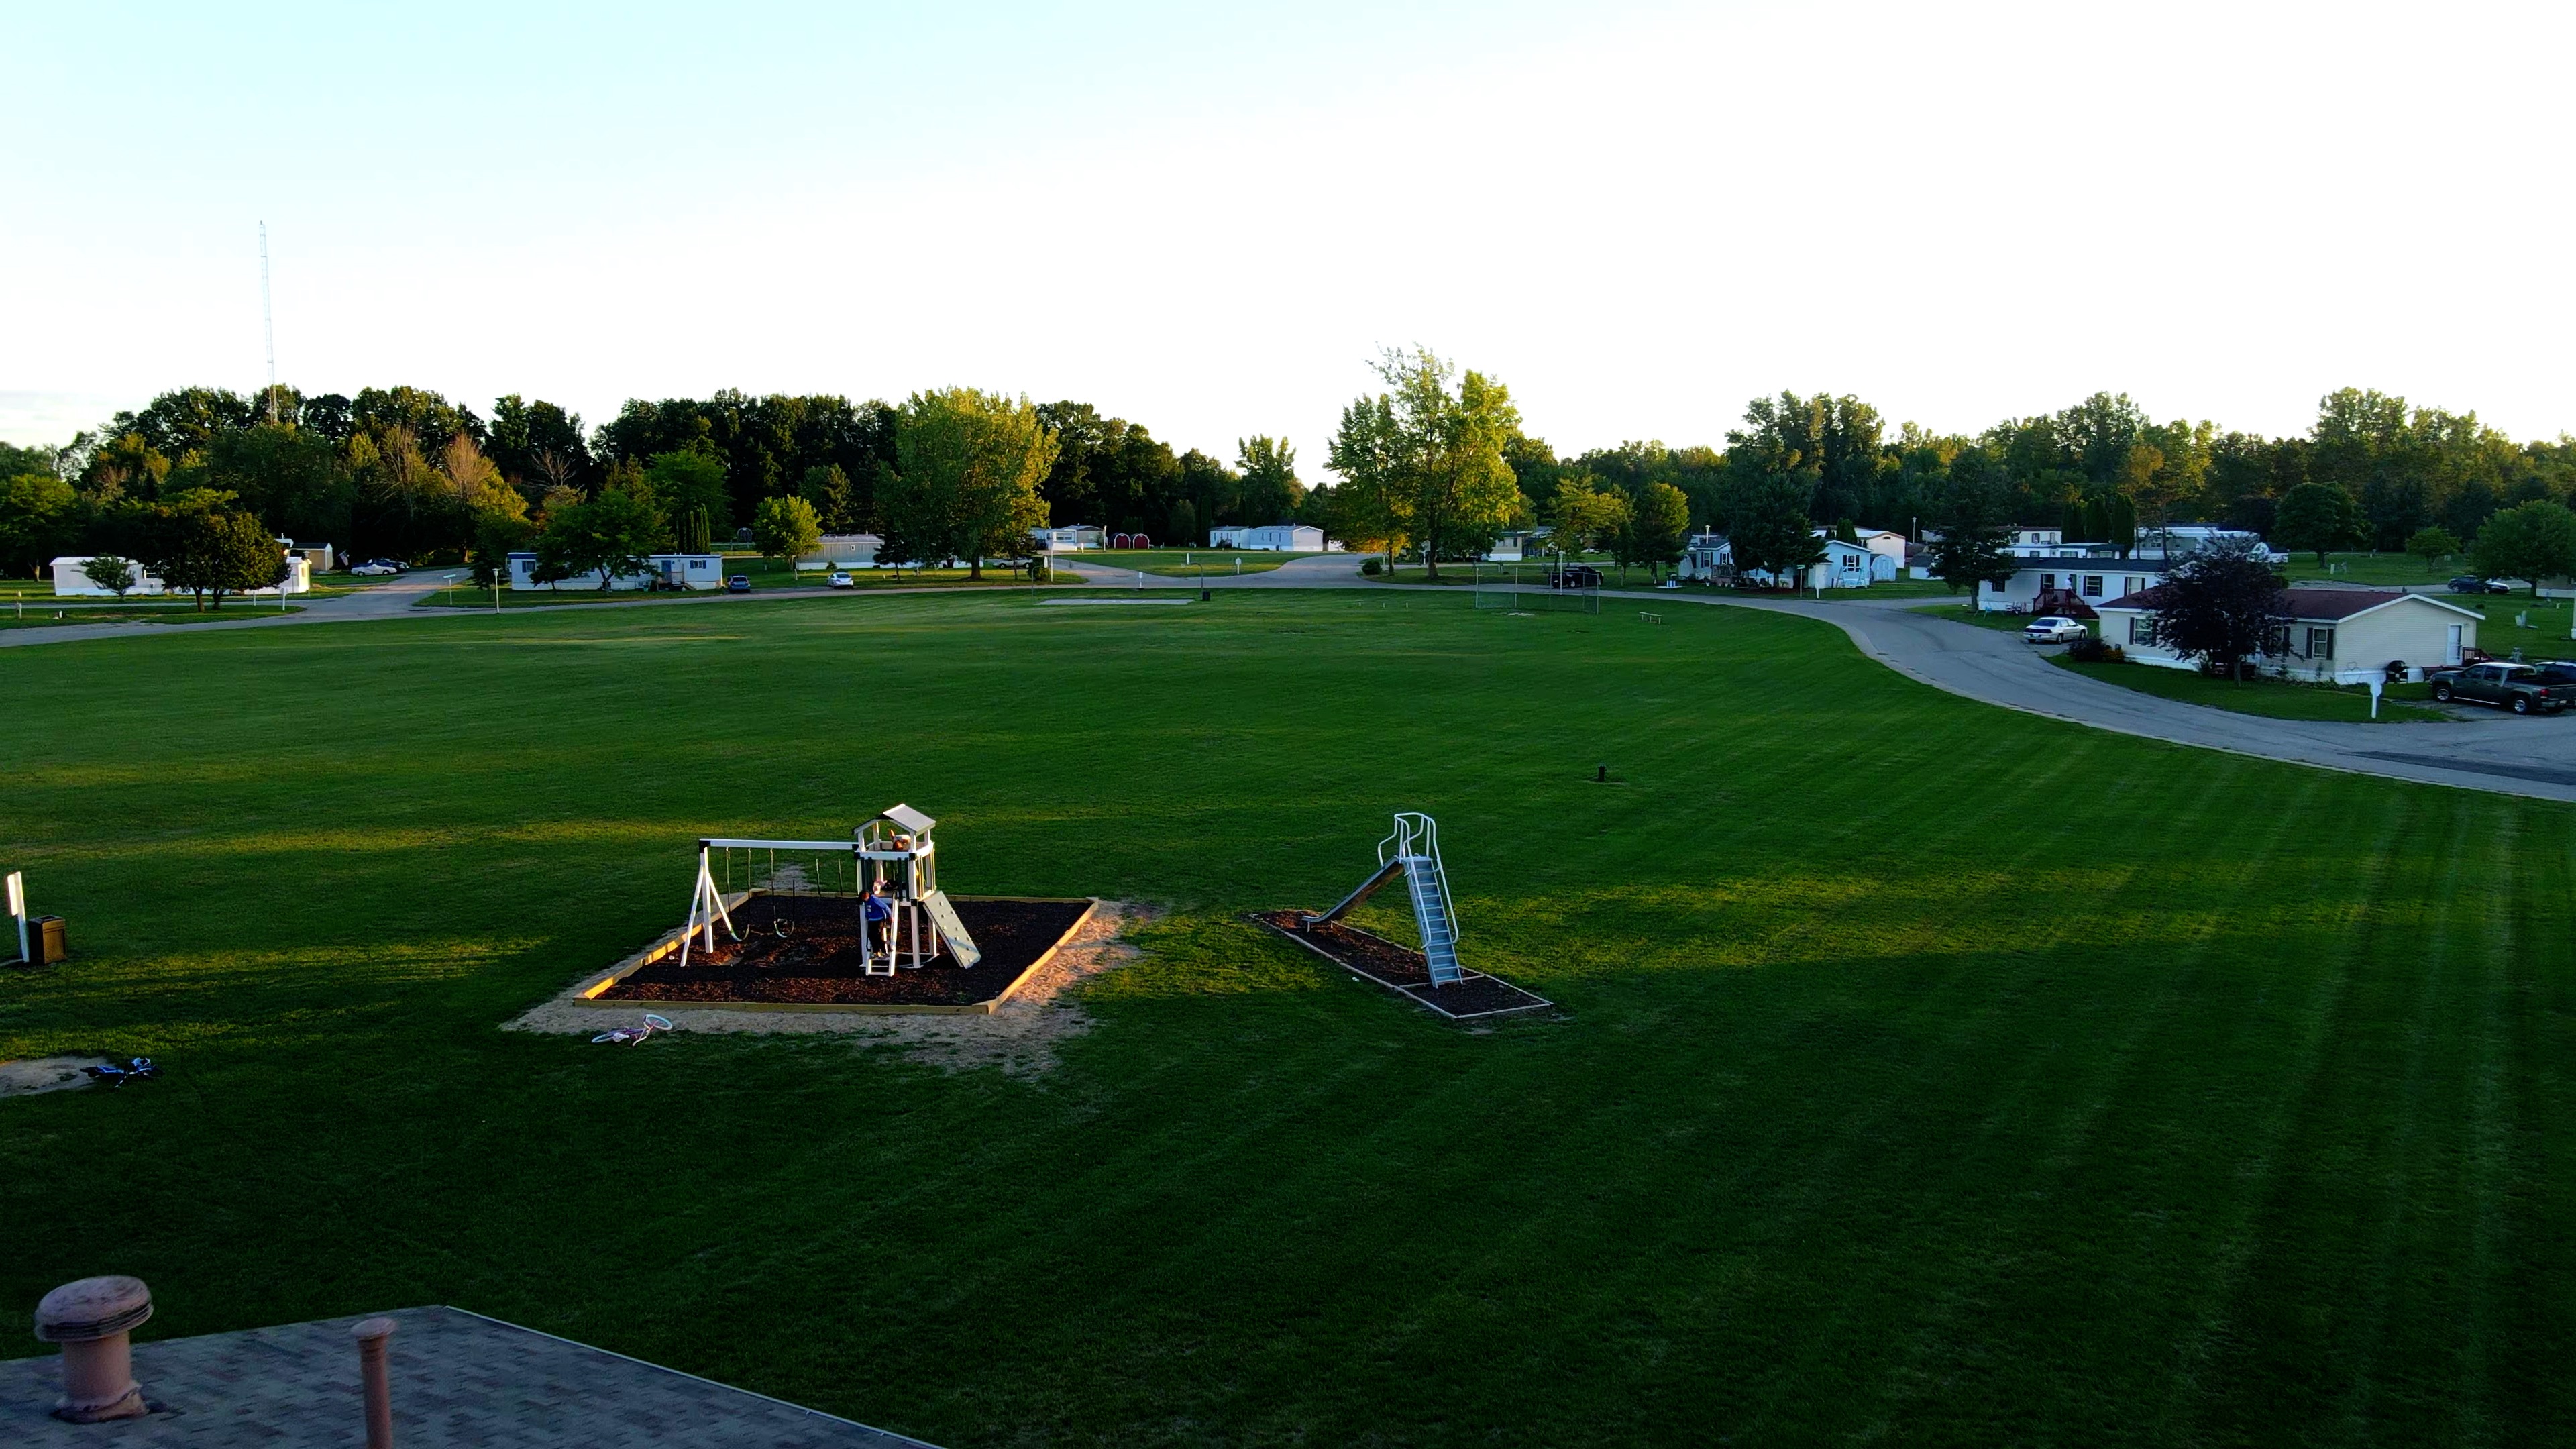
x=465, y=596
x=2546, y=638
x=1186, y=563
x=1927, y=1073
x=2392, y=569
x=2271, y=698
x=48, y=615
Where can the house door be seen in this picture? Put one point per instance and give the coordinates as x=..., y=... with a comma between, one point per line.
x=2451, y=649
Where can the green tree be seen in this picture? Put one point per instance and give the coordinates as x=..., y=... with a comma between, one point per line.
x=108, y=571
x=39, y=518
x=496, y=536
x=1973, y=527
x=2317, y=518
x=214, y=551
x=1584, y=515
x=965, y=482
x=786, y=529
x=835, y=502
x=2432, y=545
x=612, y=535
x=693, y=532
x=2220, y=604
x=1427, y=458
x=2534, y=542
x=691, y=477
x=1183, y=525
x=1271, y=492
x=1657, y=530
x=1767, y=528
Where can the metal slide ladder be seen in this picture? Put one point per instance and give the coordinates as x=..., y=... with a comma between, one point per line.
x=1413, y=852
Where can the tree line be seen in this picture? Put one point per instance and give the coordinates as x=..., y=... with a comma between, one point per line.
x=1434, y=463
x=406, y=472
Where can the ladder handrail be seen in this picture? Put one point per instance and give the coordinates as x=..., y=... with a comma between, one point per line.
x=1417, y=837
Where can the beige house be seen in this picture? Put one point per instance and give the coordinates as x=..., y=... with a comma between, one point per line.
x=2344, y=635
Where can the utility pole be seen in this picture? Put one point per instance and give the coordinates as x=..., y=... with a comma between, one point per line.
x=268, y=325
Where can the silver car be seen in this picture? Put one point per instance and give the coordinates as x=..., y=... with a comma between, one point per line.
x=2054, y=629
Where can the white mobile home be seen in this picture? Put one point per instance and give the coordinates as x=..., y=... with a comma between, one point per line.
x=843, y=551
x=2043, y=586
x=1070, y=538
x=661, y=570
x=71, y=583
x=1286, y=538
x=2347, y=636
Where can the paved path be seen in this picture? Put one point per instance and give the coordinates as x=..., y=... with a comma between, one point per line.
x=457, y=1378
x=391, y=599
x=2535, y=757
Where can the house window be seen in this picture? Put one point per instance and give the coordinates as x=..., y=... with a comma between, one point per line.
x=1998, y=585
x=2092, y=586
x=2321, y=643
x=2047, y=583
x=2276, y=639
x=2142, y=629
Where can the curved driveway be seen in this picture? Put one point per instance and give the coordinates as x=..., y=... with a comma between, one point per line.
x=2535, y=757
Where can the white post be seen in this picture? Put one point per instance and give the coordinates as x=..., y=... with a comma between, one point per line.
x=18, y=911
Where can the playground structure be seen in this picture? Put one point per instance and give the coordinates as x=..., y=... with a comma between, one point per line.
x=1413, y=852
x=889, y=863
x=857, y=924
x=1431, y=975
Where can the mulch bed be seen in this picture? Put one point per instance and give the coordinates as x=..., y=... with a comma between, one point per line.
x=1401, y=967
x=817, y=962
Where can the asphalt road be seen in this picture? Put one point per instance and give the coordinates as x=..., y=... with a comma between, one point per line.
x=2517, y=756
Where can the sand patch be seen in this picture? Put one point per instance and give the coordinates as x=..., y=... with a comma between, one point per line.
x=46, y=1074
x=1019, y=1036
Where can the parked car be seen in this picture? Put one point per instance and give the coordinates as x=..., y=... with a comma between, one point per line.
x=376, y=568
x=2472, y=584
x=2558, y=674
x=1574, y=576
x=2054, y=629
x=2517, y=687
x=840, y=580
x=738, y=584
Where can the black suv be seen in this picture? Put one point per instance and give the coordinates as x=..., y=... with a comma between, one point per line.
x=2517, y=687
x=2472, y=584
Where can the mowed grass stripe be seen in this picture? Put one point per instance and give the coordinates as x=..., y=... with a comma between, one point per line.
x=1928, y=1072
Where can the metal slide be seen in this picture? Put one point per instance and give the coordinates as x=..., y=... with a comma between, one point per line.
x=1413, y=852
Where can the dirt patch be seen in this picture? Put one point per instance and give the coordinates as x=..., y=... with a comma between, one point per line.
x=804, y=950
x=46, y=1074
x=1020, y=1036
x=1401, y=967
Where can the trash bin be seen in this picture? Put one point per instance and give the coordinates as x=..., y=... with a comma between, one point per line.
x=45, y=939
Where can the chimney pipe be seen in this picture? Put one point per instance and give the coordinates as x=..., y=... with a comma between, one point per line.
x=371, y=1335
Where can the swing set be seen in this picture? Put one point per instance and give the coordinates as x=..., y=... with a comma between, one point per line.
x=888, y=864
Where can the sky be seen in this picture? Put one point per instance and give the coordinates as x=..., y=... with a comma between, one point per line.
x=1210, y=219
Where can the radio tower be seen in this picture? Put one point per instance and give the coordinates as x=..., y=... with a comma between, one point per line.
x=268, y=322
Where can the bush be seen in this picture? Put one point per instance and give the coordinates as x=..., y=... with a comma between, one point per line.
x=1372, y=568
x=2091, y=650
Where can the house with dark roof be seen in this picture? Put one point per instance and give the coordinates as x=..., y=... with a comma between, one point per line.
x=2340, y=634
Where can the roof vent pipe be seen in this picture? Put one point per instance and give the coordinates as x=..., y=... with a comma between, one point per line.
x=94, y=1320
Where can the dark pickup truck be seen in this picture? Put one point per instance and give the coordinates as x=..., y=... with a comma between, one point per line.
x=2517, y=687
